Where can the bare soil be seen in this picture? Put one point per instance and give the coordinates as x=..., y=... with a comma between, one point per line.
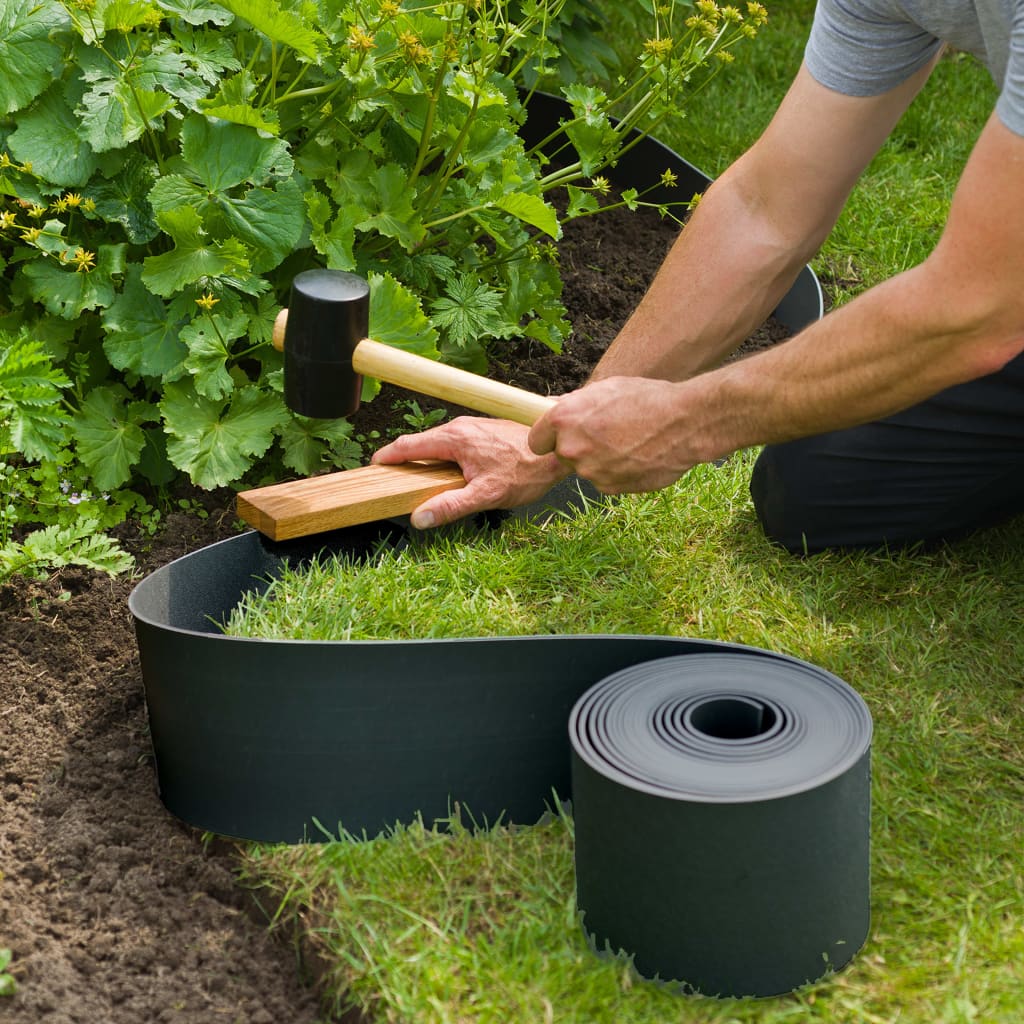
x=116, y=912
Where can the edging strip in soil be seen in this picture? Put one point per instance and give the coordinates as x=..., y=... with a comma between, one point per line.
x=281, y=740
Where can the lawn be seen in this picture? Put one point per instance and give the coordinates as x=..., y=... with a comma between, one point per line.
x=457, y=924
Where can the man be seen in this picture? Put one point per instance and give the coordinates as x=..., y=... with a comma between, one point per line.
x=896, y=418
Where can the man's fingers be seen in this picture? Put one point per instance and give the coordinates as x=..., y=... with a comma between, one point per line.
x=542, y=436
x=447, y=507
x=410, y=447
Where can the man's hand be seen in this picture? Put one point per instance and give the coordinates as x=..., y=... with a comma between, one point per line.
x=495, y=459
x=623, y=434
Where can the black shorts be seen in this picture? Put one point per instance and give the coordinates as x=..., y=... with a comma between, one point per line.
x=934, y=472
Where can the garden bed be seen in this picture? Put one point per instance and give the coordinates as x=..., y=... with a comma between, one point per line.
x=115, y=911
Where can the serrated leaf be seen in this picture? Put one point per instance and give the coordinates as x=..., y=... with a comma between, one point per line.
x=209, y=340
x=173, y=191
x=124, y=15
x=311, y=445
x=278, y=25
x=30, y=391
x=471, y=310
x=115, y=112
x=48, y=137
x=140, y=335
x=580, y=202
x=531, y=210
x=66, y=292
x=123, y=199
x=223, y=155
x=109, y=441
x=396, y=317
x=193, y=256
x=214, y=445
x=391, y=210
x=334, y=240
x=270, y=220
x=29, y=56
x=263, y=119
x=197, y=12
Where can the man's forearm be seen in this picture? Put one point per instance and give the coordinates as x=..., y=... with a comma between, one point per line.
x=726, y=272
x=889, y=348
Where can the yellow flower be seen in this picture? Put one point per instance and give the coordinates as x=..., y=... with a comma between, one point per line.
x=389, y=8
x=207, y=301
x=73, y=199
x=59, y=205
x=360, y=39
x=31, y=235
x=5, y=160
x=83, y=260
x=659, y=47
x=8, y=219
x=724, y=56
x=89, y=205
x=668, y=178
x=757, y=13
x=600, y=185
x=36, y=211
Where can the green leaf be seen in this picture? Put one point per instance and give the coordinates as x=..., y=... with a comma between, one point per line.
x=590, y=131
x=531, y=210
x=197, y=12
x=30, y=391
x=279, y=26
x=580, y=202
x=193, y=256
x=115, y=111
x=396, y=317
x=333, y=240
x=263, y=119
x=109, y=440
x=223, y=155
x=67, y=292
x=140, y=335
x=48, y=137
x=29, y=56
x=123, y=199
x=79, y=543
x=391, y=209
x=209, y=340
x=270, y=220
x=312, y=445
x=214, y=445
x=470, y=311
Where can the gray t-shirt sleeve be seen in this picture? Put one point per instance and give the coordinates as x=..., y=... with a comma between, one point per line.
x=866, y=47
x=863, y=48
x=1010, y=106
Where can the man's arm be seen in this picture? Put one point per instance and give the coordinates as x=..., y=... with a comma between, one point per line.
x=957, y=316
x=748, y=239
x=755, y=229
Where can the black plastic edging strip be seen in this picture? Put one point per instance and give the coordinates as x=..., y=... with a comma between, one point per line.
x=747, y=886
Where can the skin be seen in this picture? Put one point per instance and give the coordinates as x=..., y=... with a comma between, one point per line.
x=659, y=402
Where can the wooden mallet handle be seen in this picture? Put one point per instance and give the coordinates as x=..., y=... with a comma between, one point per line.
x=429, y=377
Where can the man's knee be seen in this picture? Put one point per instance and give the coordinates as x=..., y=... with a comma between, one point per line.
x=778, y=487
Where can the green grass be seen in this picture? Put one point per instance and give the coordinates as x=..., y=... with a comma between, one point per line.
x=459, y=925
x=429, y=925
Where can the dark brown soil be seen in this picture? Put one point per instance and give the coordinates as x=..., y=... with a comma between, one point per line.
x=116, y=913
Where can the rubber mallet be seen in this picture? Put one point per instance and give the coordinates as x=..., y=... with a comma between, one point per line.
x=327, y=352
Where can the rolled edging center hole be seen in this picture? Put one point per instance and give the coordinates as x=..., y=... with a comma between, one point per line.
x=731, y=718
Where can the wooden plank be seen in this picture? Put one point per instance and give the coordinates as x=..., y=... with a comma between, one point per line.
x=317, y=504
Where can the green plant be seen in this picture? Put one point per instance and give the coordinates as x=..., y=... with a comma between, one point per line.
x=41, y=485
x=419, y=419
x=8, y=986
x=166, y=167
